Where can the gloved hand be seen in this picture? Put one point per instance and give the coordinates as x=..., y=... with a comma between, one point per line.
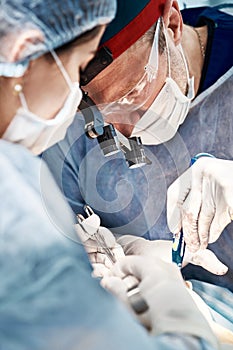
x=96, y=240
x=171, y=308
x=97, y=255
x=201, y=202
x=163, y=249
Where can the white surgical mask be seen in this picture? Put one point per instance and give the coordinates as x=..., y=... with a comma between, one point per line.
x=37, y=134
x=168, y=111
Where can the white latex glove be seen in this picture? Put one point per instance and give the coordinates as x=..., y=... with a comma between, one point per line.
x=163, y=249
x=97, y=255
x=171, y=308
x=201, y=202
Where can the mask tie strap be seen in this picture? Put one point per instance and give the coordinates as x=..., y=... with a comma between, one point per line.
x=189, y=80
x=23, y=100
x=167, y=49
x=184, y=60
x=62, y=69
x=153, y=62
x=18, y=90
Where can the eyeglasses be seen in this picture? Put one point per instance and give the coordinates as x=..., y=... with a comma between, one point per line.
x=142, y=91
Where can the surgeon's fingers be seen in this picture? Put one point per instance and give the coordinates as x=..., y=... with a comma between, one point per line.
x=116, y=286
x=190, y=215
x=176, y=195
x=209, y=261
x=118, y=252
x=100, y=258
x=174, y=204
x=145, y=268
x=100, y=270
x=206, y=214
x=219, y=222
x=129, y=265
x=224, y=211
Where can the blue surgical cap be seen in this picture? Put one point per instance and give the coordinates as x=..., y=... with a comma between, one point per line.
x=57, y=22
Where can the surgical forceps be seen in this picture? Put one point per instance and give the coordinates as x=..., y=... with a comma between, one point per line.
x=138, y=304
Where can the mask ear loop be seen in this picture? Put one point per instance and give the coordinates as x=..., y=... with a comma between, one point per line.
x=184, y=60
x=167, y=49
x=18, y=90
x=152, y=66
x=190, y=81
x=62, y=69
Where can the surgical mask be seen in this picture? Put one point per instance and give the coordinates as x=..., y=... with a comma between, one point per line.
x=168, y=111
x=37, y=134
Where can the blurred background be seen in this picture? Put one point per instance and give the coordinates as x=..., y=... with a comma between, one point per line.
x=191, y=3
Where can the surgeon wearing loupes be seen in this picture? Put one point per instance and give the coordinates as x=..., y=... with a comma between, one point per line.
x=163, y=80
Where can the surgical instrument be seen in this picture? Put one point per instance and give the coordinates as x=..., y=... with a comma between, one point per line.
x=138, y=304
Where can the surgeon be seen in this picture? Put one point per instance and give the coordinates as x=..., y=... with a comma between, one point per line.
x=48, y=299
x=170, y=84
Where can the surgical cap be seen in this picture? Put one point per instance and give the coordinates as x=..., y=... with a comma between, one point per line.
x=57, y=22
x=133, y=19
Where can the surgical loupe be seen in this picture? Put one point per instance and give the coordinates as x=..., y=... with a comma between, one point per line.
x=109, y=139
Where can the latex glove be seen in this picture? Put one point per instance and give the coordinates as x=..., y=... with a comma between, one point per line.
x=163, y=249
x=201, y=202
x=88, y=232
x=133, y=245
x=97, y=256
x=171, y=308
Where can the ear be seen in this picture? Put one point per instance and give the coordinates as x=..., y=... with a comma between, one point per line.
x=22, y=42
x=173, y=20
